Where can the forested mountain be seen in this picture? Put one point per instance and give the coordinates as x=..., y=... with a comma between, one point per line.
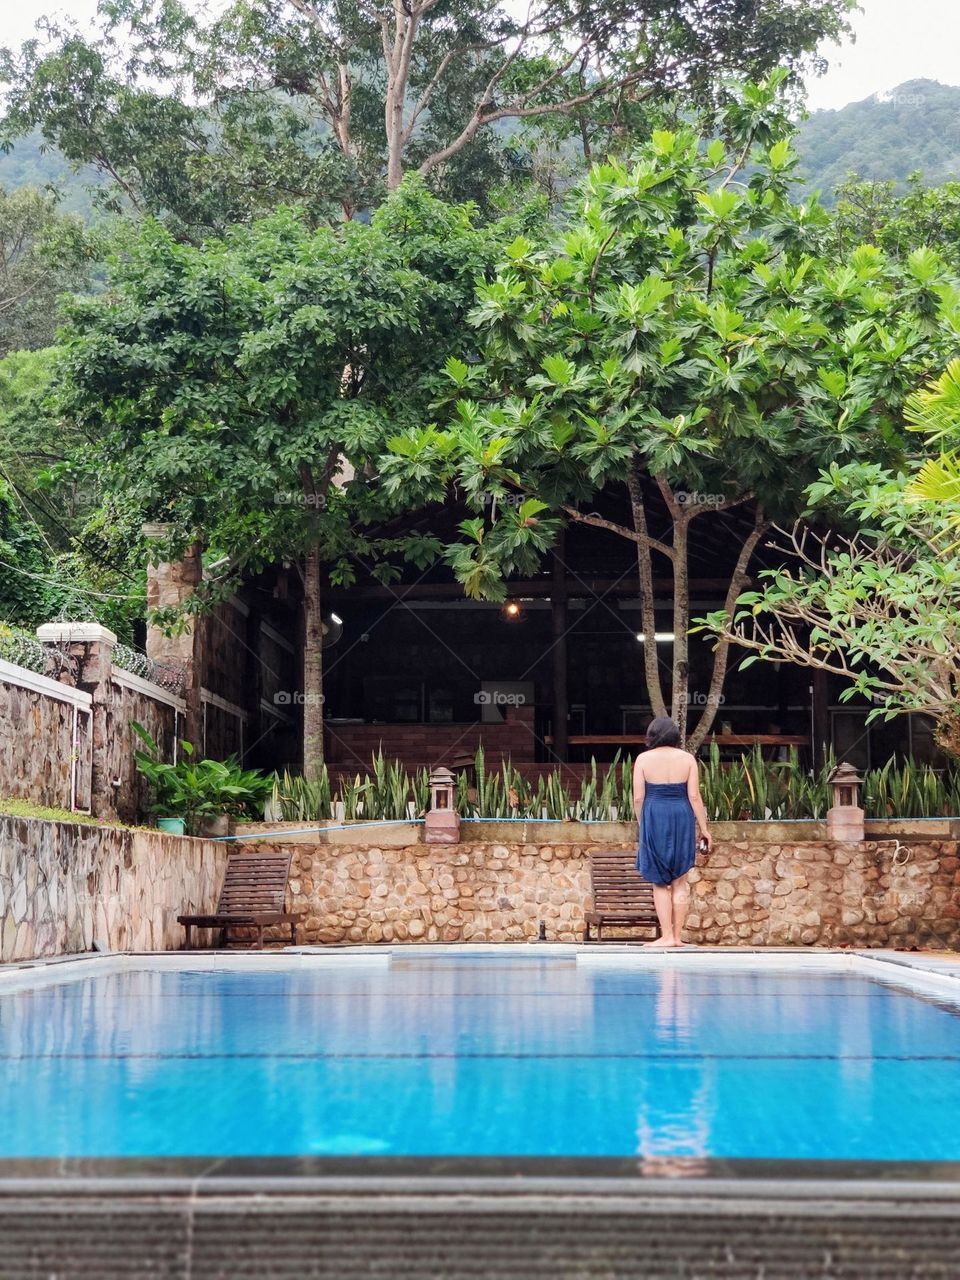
x=916, y=126
x=28, y=164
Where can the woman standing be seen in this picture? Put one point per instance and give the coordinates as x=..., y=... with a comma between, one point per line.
x=666, y=796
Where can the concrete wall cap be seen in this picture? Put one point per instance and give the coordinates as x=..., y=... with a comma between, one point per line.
x=75, y=632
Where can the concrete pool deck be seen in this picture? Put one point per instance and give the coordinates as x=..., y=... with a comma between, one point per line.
x=683, y=1218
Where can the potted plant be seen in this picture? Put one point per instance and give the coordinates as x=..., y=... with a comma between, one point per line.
x=169, y=798
x=228, y=792
x=199, y=796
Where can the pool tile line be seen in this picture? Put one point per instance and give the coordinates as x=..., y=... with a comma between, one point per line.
x=926, y=1182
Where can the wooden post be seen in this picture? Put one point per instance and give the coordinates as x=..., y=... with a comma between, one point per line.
x=559, y=627
x=820, y=718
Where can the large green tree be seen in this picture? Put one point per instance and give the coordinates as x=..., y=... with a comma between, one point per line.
x=43, y=254
x=328, y=102
x=678, y=334
x=238, y=391
x=66, y=550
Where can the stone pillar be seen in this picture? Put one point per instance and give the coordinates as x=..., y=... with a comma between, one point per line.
x=169, y=584
x=81, y=654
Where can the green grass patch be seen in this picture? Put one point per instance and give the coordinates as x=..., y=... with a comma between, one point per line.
x=15, y=808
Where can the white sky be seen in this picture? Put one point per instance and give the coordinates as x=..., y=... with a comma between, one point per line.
x=897, y=40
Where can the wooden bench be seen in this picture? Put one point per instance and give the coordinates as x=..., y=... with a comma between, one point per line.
x=621, y=896
x=252, y=898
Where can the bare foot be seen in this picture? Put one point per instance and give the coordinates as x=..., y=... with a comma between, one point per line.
x=660, y=943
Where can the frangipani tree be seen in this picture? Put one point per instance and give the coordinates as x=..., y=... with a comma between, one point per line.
x=681, y=330
x=879, y=608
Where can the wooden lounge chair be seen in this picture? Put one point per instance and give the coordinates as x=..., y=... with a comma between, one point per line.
x=252, y=897
x=621, y=897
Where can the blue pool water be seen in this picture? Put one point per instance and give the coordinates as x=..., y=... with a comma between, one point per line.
x=503, y=1056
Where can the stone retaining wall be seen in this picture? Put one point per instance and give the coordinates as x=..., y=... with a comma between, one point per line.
x=64, y=885
x=748, y=894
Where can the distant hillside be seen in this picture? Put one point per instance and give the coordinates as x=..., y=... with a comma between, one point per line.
x=27, y=165
x=916, y=126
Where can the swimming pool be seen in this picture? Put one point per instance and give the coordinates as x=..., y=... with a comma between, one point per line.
x=513, y=1053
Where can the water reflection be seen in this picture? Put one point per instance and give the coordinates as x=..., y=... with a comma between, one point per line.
x=674, y=1110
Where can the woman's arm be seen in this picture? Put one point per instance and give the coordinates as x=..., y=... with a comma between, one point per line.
x=696, y=803
x=638, y=788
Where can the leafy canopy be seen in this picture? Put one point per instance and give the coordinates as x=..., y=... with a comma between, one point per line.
x=205, y=120
x=237, y=391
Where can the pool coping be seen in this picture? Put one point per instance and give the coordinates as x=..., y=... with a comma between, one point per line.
x=489, y=1178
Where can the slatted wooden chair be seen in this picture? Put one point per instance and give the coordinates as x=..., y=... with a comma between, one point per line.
x=621, y=896
x=252, y=898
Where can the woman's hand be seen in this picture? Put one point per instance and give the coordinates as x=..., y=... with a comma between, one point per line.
x=707, y=839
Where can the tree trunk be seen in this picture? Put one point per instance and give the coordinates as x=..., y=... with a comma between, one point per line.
x=947, y=732
x=680, y=673
x=651, y=667
x=397, y=53
x=312, y=668
x=721, y=657
x=820, y=718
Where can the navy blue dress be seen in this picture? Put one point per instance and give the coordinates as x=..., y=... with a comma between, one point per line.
x=668, y=833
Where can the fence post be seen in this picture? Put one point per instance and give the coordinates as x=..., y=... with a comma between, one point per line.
x=80, y=654
x=170, y=583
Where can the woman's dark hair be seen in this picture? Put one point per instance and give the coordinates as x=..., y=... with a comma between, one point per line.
x=663, y=732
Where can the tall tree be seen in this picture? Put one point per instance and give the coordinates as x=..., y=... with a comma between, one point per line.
x=43, y=253
x=677, y=334
x=237, y=391
x=329, y=101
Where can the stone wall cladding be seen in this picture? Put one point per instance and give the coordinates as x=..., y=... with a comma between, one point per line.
x=36, y=745
x=63, y=885
x=36, y=741
x=159, y=719
x=747, y=895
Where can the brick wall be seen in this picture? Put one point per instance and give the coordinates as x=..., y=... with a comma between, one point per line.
x=352, y=745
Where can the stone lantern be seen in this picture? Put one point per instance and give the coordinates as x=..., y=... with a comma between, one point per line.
x=845, y=817
x=442, y=823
